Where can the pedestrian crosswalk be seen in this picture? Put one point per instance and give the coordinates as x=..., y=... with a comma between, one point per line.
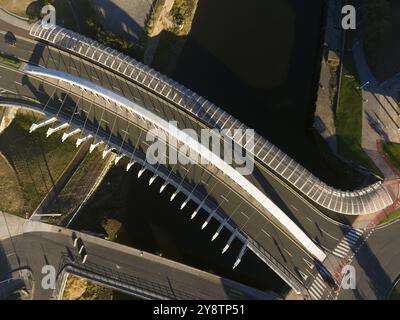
x=347, y=243
x=317, y=288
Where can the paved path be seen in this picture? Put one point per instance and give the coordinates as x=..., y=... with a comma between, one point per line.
x=380, y=119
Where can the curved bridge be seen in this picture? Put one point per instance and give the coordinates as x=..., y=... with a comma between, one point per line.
x=365, y=201
x=77, y=85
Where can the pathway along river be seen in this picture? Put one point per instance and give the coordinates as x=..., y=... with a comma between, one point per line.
x=256, y=59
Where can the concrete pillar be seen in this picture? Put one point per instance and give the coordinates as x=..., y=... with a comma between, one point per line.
x=80, y=140
x=216, y=234
x=94, y=146
x=239, y=258
x=70, y=134
x=130, y=164
x=229, y=241
x=152, y=179
x=50, y=131
x=41, y=124
x=117, y=158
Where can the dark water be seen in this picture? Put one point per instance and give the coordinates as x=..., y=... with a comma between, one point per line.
x=257, y=59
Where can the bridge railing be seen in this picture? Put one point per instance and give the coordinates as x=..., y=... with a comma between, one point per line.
x=364, y=201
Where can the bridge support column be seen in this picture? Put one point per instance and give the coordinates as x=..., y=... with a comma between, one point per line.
x=41, y=124
x=69, y=134
x=106, y=152
x=94, y=146
x=80, y=140
x=216, y=234
x=239, y=258
x=152, y=179
x=163, y=186
x=117, y=158
x=130, y=164
x=229, y=241
x=50, y=131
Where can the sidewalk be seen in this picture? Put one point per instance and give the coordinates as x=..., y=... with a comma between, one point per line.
x=379, y=122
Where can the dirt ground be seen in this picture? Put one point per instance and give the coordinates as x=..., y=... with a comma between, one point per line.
x=16, y=6
x=75, y=288
x=11, y=198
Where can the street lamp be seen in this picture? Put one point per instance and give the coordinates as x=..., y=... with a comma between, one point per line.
x=363, y=86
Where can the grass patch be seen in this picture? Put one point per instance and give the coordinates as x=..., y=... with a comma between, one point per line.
x=77, y=188
x=391, y=216
x=392, y=150
x=349, y=113
x=38, y=161
x=16, y=6
x=395, y=294
x=12, y=62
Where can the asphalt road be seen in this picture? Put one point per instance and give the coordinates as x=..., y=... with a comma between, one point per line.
x=166, y=278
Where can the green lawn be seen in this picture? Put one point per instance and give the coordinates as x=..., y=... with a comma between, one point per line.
x=12, y=62
x=395, y=294
x=38, y=161
x=349, y=114
x=392, y=150
x=391, y=216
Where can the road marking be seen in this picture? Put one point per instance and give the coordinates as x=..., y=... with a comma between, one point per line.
x=294, y=207
x=266, y=233
x=329, y=235
x=288, y=253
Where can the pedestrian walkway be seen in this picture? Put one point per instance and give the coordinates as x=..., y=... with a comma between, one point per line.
x=318, y=288
x=348, y=243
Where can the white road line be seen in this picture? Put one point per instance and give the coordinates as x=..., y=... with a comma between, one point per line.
x=315, y=288
x=288, y=253
x=340, y=255
x=266, y=233
x=329, y=235
x=294, y=207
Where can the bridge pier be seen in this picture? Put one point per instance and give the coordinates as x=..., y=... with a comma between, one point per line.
x=239, y=258
x=50, y=131
x=80, y=140
x=94, y=146
x=70, y=134
x=41, y=124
